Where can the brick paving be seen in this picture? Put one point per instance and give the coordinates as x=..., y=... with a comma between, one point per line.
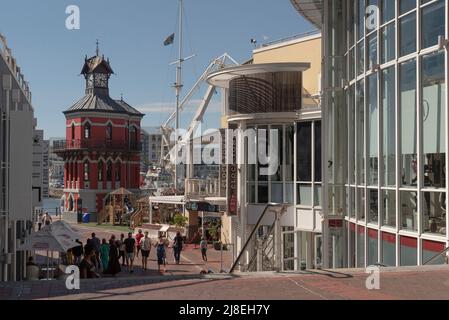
x=184, y=282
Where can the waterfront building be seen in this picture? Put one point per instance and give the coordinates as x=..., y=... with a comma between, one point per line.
x=16, y=165
x=102, y=146
x=277, y=91
x=385, y=121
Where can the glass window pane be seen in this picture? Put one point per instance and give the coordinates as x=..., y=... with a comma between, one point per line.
x=262, y=193
x=407, y=42
x=361, y=57
x=360, y=247
x=372, y=50
x=317, y=146
x=372, y=130
x=434, y=115
x=432, y=23
x=409, y=210
x=277, y=193
x=373, y=205
x=289, y=193
x=361, y=204
x=289, y=149
x=389, y=208
x=280, y=152
x=389, y=249
x=409, y=251
x=434, y=213
x=351, y=134
x=304, y=194
x=388, y=51
x=352, y=251
x=430, y=249
x=389, y=126
x=362, y=15
x=317, y=196
x=360, y=123
x=407, y=82
x=373, y=242
x=406, y=5
x=352, y=207
x=304, y=147
x=388, y=10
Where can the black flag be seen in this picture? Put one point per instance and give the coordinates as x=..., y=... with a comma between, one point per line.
x=169, y=40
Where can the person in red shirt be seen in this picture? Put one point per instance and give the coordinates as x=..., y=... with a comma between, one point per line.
x=139, y=237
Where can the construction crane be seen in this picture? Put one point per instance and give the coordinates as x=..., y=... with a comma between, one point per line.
x=168, y=145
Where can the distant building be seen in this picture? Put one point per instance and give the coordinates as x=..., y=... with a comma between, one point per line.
x=38, y=168
x=45, y=169
x=16, y=166
x=102, y=146
x=154, y=144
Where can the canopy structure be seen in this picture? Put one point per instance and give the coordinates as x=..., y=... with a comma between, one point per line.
x=63, y=230
x=49, y=239
x=121, y=192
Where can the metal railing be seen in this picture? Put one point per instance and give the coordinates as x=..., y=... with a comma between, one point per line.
x=78, y=144
x=445, y=251
x=202, y=187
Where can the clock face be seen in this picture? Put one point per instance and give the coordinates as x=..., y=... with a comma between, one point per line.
x=101, y=80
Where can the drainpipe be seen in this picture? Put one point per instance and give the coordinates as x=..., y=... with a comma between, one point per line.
x=7, y=86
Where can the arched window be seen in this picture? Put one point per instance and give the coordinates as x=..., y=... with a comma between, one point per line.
x=109, y=132
x=118, y=171
x=73, y=131
x=86, y=170
x=109, y=171
x=100, y=170
x=87, y=131
x=132, y=135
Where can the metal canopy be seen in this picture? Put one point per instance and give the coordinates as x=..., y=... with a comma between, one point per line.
x=309, y=9
x=222, y=78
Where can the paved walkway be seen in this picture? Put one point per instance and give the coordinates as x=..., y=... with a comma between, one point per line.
x=415, y=283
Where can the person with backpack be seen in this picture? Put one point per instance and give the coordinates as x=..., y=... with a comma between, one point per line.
x=177, y=247
x=160, y=251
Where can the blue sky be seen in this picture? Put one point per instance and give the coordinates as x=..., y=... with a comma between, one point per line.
x=131, y=34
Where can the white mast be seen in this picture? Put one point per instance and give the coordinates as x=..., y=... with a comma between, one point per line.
x=178, y=87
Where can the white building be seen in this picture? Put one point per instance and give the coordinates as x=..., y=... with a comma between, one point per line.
x=16, y=165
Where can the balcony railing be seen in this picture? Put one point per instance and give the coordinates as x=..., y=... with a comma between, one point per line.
x=65, y=145
x=204, y=188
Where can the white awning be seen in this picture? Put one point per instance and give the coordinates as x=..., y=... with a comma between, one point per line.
x=222, y=78
x=168, y=199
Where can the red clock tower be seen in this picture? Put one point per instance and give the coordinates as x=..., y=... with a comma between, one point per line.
x=102, y=146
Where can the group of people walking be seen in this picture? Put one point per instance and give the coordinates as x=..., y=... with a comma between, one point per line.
x=104, y=256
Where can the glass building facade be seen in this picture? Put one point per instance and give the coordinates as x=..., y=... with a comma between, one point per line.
x=385, y=118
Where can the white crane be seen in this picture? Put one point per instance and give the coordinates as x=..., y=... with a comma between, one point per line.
x=167, y=145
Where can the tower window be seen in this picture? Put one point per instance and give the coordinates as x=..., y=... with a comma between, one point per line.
x=118, y=171
x=86, y=170
x=73, y=131
x=109, y=132
x=87, y=131
x=100, y=170
x=109, y=171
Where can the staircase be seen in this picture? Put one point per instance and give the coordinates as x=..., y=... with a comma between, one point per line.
x=264, y=251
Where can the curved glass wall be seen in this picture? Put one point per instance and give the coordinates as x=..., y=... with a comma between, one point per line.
x=387, y=128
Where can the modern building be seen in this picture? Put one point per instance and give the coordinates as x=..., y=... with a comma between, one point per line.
x=38, y=166
x=154, y=144
x=385, y=129
x=16, y=165
x=56, y=166
x=273, y=103
x=102, y=146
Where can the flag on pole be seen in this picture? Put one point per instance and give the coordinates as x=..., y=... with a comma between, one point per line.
x=169, y=40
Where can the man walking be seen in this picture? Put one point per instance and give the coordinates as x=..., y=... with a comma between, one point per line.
x=122, y=249
x=139, y=237
x=177, y=247
x=96, y=243
x=130, y=247
x=146, y=249
x=203, y=246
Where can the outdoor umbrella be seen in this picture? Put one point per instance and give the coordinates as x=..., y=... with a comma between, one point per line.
x=47, y=239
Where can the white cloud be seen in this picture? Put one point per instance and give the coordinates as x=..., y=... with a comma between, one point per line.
x=169, y=107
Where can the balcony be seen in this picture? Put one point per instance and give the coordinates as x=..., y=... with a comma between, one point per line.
x=62, y=146
x=202, y=188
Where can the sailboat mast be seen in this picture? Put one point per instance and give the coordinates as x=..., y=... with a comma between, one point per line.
x=178, y=87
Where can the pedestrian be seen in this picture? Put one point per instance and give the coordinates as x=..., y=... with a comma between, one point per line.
x=122, y=248
x=203, y=247
x=139, y=237
x=77, y=252
x=160, y=251
x=47, y=219
x=177, y=247
x=39, y=221
x=146, y=249
x=96, y=243
x=130, y=247
x=87, y=267
x=114, y=263
x=104, y=255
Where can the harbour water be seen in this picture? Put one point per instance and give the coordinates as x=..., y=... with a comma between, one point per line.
x=50, y=204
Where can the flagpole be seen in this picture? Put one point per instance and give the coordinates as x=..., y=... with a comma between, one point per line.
x=178, y=87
